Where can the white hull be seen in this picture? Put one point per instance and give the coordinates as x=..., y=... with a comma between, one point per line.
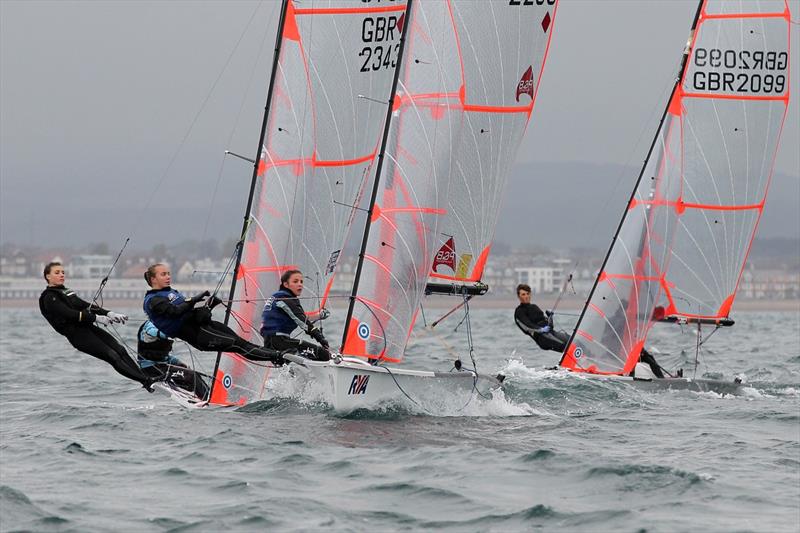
x=351, y=383
x=183, y=397
x=645, y=380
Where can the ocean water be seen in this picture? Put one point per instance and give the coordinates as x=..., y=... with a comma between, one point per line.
x=81, y=449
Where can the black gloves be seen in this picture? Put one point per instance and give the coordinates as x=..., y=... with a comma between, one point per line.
x=213, y=302
x=317, y=335
x=197, y=297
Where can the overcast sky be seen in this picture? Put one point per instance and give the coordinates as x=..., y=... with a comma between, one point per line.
x=96, y=99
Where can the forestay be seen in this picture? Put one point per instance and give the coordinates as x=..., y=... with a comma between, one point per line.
x=334, y=73
x=684, y=239
x=465, y=94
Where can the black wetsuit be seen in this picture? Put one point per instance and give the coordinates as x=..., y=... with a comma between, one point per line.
x=155, y=360
x=282, y=314
x=530, y=319
x=74, y=318
x=196, y=327
x=645, y=357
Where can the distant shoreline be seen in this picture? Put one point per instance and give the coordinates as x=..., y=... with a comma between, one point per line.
x=442, y=302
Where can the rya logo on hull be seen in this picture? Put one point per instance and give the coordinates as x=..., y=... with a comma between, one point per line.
x=358, y=385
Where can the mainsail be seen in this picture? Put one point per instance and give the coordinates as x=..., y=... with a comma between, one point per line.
x=502, y=47
x=332, y=74
x=466, y=90
x=683, y=241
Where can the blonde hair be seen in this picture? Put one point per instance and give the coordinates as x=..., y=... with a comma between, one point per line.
x=150, y=273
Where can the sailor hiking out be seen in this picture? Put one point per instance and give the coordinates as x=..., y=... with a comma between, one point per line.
x=536, y=324
x=189, y=319
x=77, y=320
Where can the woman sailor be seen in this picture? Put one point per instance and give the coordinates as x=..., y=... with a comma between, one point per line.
x=77, y=320
x=283, y=313
x=175, y=316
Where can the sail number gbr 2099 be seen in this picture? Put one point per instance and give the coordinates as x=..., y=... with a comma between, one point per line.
x=739, y=71
x=379, y=35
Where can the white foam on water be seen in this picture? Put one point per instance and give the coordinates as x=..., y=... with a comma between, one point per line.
x=516, y=369
x=452, y=403
x=288, y=382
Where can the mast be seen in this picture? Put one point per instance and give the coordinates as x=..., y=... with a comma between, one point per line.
x=376, y=182
x=254, y=179
x=675, y=87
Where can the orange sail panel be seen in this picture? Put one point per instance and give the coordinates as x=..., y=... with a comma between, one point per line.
x=334, y=76
x=686, y=233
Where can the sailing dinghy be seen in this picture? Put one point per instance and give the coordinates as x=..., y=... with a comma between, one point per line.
x=463, y=99
x=331, y=79
x=683, y=240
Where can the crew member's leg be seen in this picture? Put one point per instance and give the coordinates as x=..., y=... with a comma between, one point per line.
x=551, y=341
x=215, y=336
x=645, y=357
x=185, y=378
x=100, y=344
x=282, y=344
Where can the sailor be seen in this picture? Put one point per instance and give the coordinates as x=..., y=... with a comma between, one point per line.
x=156, y=360
x=536, y=324
x=283, y=313
x=77, y=320
x=176, y=316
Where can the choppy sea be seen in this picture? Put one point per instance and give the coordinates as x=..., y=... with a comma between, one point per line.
x=81, y=449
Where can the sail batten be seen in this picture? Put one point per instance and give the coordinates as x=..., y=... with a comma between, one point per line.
x=684, y=239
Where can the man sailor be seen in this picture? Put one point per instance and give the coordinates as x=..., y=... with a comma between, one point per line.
x=536, y=324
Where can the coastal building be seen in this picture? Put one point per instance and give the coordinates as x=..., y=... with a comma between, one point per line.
x=89, y=266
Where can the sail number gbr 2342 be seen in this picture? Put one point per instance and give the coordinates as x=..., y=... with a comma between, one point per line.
x=379, y=34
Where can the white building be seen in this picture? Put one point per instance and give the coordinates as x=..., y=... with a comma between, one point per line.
x=540, y=279
x=89, y=266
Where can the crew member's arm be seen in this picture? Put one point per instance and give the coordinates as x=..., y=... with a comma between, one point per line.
x=294, y=310
x=531, y=320
x=520, y=319
x=150, y=333
x=94, y=308
x=292, y=307
x=162, y=306
x=56, y=308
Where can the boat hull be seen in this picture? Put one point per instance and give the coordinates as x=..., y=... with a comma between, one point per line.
x=717, y=386
x=352, y=383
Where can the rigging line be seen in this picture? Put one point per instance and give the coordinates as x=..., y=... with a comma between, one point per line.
x=248, y=86
x=567, y=281
x=177, y=152
x=391, y=374
x=225, y=272
x=103, y=282
x=698, y=344
x=472, y=352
